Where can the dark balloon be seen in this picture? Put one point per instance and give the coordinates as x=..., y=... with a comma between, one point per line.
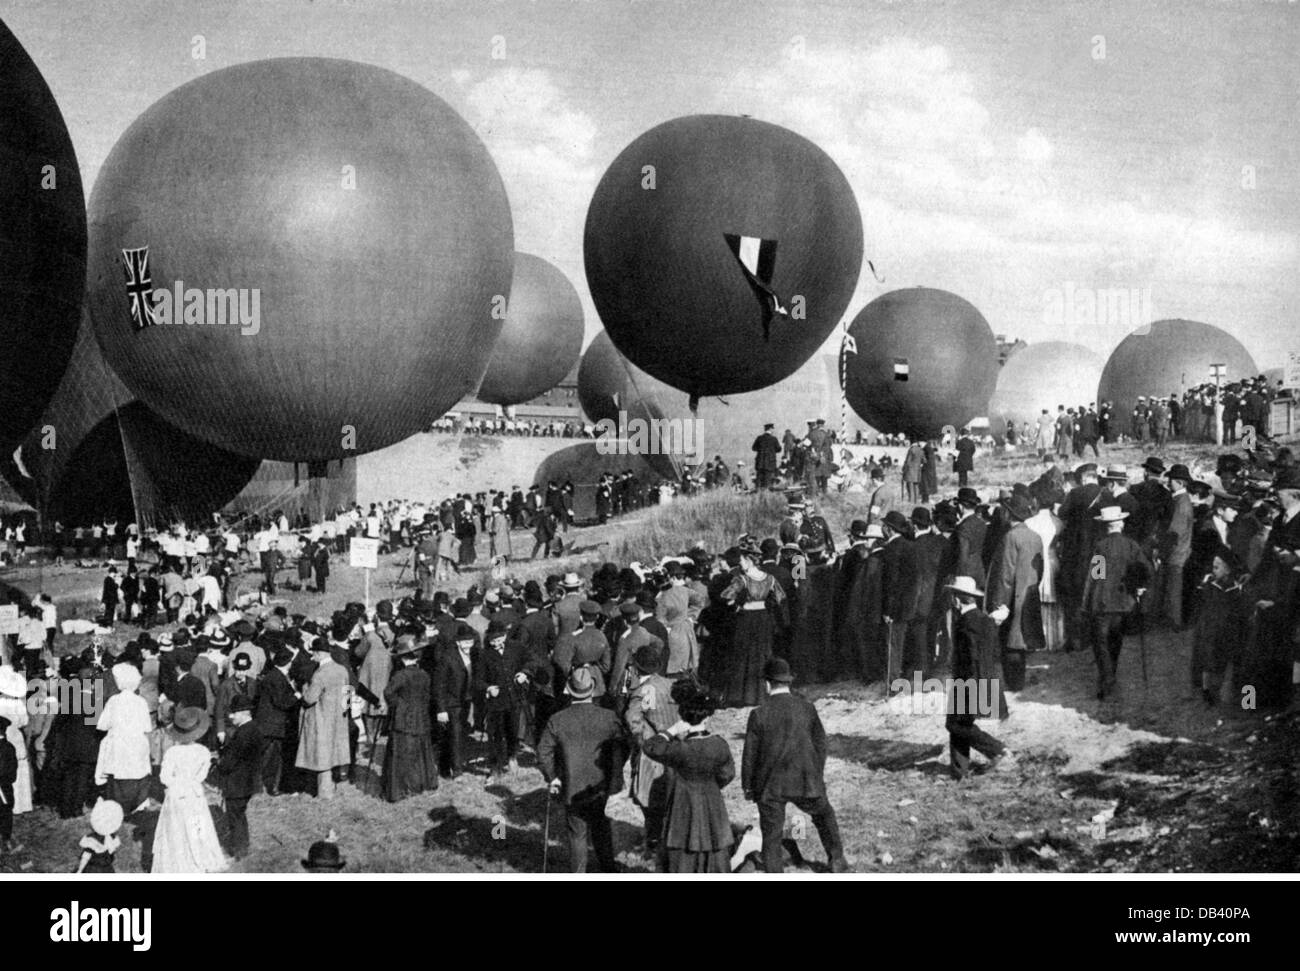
x=97, y=452
x=42, y=243
x=666, y=264
x=583, y=464
x=363, y=212
x=1043, y=376
x=1166, y=358
x=610, y=387
x=925, y=359
x=542, y=336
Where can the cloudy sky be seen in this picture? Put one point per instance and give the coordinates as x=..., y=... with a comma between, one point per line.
x=1008, y=152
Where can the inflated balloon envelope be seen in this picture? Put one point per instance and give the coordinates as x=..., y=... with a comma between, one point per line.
x=354, y=209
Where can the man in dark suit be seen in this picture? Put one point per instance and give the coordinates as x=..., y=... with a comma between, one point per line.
x=110, y=597
x=584, y=647
x=977, y=690
x=784, y=761
x=923, y=629
x=536, y=635
x=1154, y=504
x=501, y=680
x=968, y=537
x=453, y=692
x=320, y=562
x=964, y=463
x=581, y=755
x=276, y=704
x=898, y=583
x=237, y=772
x=1118, y=574
x=1075, y=545
x=1014, y=603
x=766, y=449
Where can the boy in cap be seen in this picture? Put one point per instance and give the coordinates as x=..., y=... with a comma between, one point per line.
x=976, y=660
x=238, y=771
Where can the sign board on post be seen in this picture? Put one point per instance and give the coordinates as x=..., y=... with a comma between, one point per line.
x=364, y=553
x=9, y=619
x=1291, y=373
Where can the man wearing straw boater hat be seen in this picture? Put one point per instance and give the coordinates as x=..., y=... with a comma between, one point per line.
x=976, y=689
x=1118, y=573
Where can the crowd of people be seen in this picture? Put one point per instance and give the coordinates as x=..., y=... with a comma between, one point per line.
x=1205, y=413
x=610, y=680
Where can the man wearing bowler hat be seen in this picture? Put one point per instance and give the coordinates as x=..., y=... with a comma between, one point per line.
x=783, y=762
x=581, y=755
x=1176, y=544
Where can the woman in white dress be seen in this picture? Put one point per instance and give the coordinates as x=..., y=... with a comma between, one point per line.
x=13, y=706
x=186, y=839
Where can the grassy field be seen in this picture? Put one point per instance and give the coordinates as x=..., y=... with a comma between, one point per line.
x=1180, y=786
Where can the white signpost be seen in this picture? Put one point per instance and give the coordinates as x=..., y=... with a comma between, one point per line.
x=364, y=554
x=9, y=619
x=1291, y=373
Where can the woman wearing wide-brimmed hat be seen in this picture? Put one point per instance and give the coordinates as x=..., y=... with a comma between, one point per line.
x=697, y=836
x=186, y=839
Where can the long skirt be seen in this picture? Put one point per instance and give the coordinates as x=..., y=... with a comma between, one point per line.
x=410, y=766
x=740, y=670
x=687, y=861
x=186, y=838
x=1054, y=625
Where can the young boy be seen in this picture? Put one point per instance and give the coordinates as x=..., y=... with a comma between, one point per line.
x=238, y=771
x=1218, y=637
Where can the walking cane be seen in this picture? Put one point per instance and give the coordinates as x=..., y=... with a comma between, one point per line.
x=546, y=830
x=380, y=731
x=889, y=655
x=1142, y=641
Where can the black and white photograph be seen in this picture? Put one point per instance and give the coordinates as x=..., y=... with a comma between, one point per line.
x=522, y=439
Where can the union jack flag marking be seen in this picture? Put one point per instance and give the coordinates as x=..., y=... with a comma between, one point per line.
x=139, y=287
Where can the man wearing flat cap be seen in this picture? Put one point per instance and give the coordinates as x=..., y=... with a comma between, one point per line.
x=766, y=449
x=581, y=754
x=784, y=762
x=649, y=709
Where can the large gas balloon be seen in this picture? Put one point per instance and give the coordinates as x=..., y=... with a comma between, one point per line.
x=1044, y=376
x=542, y=336
x=925, y=359
x=300, y=258
x=42, y=243
x=721, y=252
x=1167, y=358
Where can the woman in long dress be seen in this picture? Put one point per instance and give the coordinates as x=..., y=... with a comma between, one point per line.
x=755, y=595
x=697, y=834
x=123, y=765
x=186, y=839
x=13, y=706
x=410, y=766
